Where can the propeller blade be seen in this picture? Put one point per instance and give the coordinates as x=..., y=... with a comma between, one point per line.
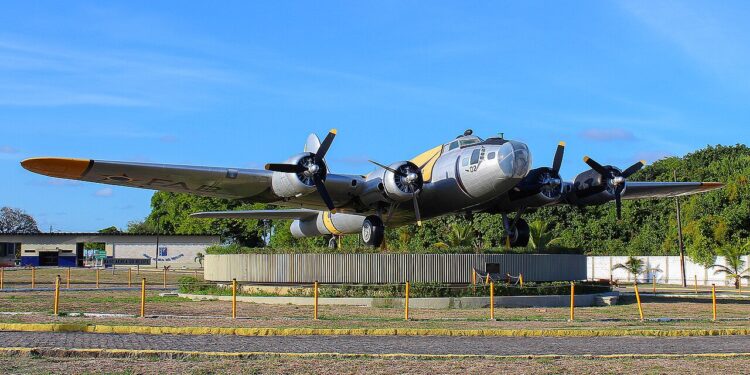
x=389, y=169
x=324, y=193
x=323, y=149
x=417, y=214
x=557, y=164
x=596, y=166
x=618, y=203
x=633, y=168
x=285, y=168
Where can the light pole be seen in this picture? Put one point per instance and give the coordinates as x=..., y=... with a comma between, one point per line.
x=681, y=243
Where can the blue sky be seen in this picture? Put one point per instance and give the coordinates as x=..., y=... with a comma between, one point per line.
x=243, y=84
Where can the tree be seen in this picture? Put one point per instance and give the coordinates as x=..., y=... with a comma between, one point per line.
x=541, y=237
x=13, y=220
x=635, y=267
x=110, y=230
x=735, y=268
x=460, y=235
x=199, y=258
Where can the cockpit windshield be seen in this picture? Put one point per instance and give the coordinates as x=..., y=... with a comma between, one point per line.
x=462, y=142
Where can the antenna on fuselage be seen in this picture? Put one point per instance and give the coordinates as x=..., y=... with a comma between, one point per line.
x=502, y=135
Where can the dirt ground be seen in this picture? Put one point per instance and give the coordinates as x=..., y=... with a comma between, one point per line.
x=733, y=313
x=265, y=365
x=83, y=277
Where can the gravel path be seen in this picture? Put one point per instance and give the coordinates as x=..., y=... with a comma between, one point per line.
x=384, y=344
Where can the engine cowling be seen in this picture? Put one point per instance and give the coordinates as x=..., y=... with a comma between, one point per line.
x=591, y=188
x=326, y=224
x=401, y=186
x=288, y=185
x=540, y=187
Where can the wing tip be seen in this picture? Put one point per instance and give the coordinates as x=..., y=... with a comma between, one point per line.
x=69, y=168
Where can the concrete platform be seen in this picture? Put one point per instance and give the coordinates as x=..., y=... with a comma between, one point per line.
x=584, y=300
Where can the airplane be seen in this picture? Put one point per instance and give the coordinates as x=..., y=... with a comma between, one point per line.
x=465, y=175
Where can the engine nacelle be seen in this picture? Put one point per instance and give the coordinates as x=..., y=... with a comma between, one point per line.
x=401, y=187
x=326, y=224
x=289, y=185
x=591, y=188
x=385, y=186
x=540, y=187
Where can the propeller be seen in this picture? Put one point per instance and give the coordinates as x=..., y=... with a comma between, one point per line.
x=312, y=169
x=616, y=178
x=546, y=180
x=410, y=182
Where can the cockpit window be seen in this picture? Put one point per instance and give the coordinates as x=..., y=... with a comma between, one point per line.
x=453, y=145
x=475, y=156
x=470, y=141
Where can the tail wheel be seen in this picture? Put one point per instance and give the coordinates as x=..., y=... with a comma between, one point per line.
x=373, y=231
x=519, y=236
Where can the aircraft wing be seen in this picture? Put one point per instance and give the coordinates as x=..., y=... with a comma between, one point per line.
x=300, y=214
x=641, y=190
x=207, y=181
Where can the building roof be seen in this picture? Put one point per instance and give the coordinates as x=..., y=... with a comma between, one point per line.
x=96, y=234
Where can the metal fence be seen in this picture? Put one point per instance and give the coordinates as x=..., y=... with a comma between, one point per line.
x=389, y=268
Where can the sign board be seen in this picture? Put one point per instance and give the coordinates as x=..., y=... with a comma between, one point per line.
x=96, y=254
x=127, y=262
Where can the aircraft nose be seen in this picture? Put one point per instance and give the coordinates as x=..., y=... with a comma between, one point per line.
x=514, y=159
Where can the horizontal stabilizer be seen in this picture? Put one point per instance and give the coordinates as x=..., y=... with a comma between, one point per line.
x=300, y=214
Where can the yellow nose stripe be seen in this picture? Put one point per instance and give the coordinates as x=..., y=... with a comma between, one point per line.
x=58, y=167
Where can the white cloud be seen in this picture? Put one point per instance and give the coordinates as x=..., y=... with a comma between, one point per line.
x=8, y=150
x=607, y=135
x=105, y=192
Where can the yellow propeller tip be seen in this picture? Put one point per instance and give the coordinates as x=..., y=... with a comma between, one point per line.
x=562, y=143
x=334, y=131
x=333, y=211
x=419, y=223
x=267, y=166
x=586, y=158
x=643, y=162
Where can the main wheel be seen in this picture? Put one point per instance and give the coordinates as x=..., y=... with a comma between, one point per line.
x=519, y=236
x=373, y=231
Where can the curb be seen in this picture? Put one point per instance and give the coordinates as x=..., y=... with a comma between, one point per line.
x=153, y=330
x=177, y=354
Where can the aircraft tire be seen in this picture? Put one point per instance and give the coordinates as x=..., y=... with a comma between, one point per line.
x=522, y=234
x=373, y=231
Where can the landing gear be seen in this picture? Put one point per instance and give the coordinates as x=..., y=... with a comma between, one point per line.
x=517, y=233
x=373, y=231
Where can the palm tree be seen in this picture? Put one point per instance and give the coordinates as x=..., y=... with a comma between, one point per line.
x=199, y=258
x=540, y=236
x=735, y=268
x=635, y=267
x=460, y=235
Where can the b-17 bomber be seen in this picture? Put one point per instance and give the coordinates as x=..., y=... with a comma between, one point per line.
x=466, y=174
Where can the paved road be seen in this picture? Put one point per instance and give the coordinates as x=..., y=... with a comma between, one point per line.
x=384, y=344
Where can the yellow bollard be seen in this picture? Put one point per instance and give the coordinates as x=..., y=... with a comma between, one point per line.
x=713, y=300
x=638, y=299
x=315, y=295
x=165, y=277
x=473, y=277
x=97, y=278
x=572, y=301
x=487, y=279
x=130, y=277
x=406, y=302
x=33, y=277
x=2, y=278
x=67, y=279
x=520, y=279
x=654, y=282
x=492, y=301
x=234, y=298
x=57, y=295
x=143, y=297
